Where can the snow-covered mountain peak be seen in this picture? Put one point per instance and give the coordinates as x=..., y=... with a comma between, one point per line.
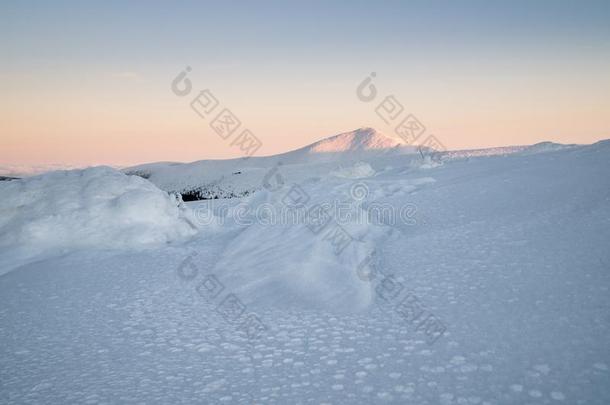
x=362, y=139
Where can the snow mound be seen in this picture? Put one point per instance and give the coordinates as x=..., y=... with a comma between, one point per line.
x=95, y=208
x=294, y=266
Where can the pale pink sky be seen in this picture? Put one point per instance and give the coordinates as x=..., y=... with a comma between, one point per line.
x=128, y=119
x=76, y=91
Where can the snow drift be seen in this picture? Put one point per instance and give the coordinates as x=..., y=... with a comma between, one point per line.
x=95, y=208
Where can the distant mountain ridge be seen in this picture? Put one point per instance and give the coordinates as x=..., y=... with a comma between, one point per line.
x=361, y=143
x=239, y=177
x=229, y=178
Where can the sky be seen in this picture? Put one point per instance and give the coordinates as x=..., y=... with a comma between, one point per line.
x=88, y=83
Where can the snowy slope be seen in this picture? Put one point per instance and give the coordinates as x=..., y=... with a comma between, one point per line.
x=509, y=252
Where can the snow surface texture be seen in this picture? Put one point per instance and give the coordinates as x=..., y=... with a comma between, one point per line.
x=92, y=208
x=510, y=252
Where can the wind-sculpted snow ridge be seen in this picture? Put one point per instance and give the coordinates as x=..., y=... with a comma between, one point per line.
x=287, y=263
x=93, y=208
x=305, y=255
